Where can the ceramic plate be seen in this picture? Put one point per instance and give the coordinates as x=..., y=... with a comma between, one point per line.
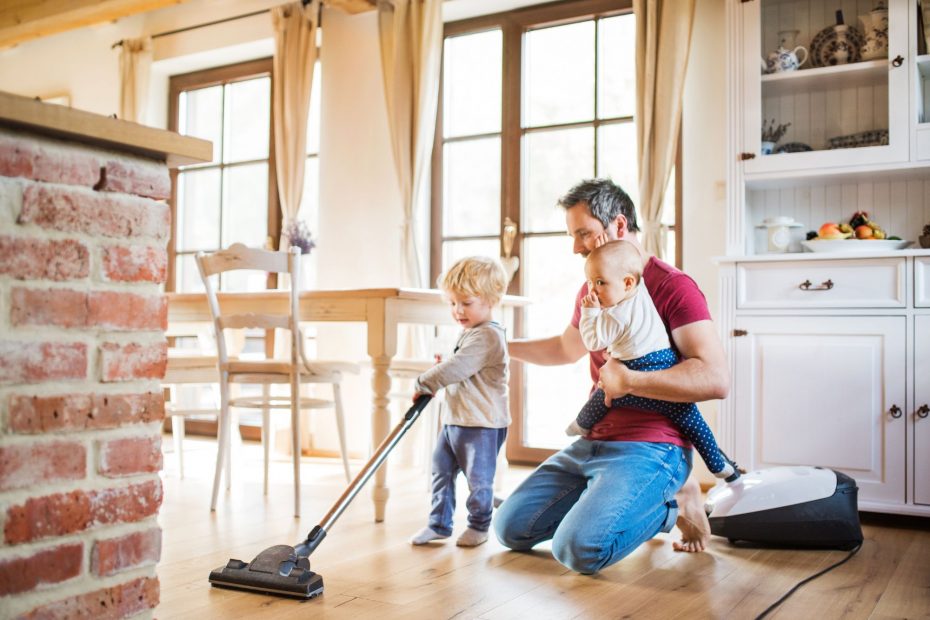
x=824, y=44
x=854, y=245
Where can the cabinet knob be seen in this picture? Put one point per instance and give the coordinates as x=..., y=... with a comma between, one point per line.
x=895, y=412
x=898, y=61
x=807, y=286
x=745, y=156
x=739, y=332
x=923, y=411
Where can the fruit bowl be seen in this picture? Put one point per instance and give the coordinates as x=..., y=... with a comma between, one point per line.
x=855, y=245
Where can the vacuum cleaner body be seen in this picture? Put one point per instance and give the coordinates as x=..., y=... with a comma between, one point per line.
x=800, y=506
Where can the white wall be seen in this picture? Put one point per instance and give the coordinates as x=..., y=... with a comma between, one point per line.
x=703, y=143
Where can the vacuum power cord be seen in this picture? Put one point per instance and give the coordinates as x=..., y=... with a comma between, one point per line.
x=811, y=578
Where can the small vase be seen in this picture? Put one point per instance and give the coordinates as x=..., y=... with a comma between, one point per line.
x=767, y=147
x=924, y=241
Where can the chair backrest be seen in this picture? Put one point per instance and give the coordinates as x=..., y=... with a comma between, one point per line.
x=239, y=257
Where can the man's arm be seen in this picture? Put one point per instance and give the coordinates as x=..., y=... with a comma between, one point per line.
x=563, y=349
x=701, y=375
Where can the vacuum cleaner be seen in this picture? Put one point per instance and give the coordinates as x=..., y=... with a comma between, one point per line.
x=791, y=506
x=284, y=570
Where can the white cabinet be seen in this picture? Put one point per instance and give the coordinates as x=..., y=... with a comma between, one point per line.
x=826, y=391
x=921, y=410
x=829, y=352
x=823, y=105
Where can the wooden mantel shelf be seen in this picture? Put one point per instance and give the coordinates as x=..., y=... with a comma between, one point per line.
x=78, y=125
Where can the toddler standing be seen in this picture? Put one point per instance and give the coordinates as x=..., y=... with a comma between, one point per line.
x=476, y=415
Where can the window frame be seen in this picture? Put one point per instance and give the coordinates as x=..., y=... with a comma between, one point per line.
x=216, y=76
x=513, y=25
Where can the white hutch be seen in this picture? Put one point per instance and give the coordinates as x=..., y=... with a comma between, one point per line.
x=829, y=352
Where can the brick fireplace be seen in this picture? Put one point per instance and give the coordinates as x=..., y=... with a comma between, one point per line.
x=83, y=231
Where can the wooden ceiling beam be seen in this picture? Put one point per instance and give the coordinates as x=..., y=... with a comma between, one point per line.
x=23, y=20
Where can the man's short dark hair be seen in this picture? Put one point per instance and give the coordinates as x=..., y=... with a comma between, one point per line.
x=604, y=199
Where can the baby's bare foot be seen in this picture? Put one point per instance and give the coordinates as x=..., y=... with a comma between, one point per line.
x=692, y=520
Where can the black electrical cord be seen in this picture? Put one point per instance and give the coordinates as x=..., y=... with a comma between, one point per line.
x=811, y=578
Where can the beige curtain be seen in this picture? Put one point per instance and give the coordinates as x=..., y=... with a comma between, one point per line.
x=411, y=48
x=663, y=40
x=135, y=62
x=294, y=60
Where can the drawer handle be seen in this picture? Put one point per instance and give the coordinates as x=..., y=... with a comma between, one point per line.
x=895, y=412
x=807, y=286
x=923, y=412
x=898, y=61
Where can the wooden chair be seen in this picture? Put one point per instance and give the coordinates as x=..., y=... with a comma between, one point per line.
x=294, y=371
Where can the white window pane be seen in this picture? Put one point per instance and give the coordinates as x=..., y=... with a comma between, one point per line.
x=456, y=250
x=559, y=76
x=245, y=205
x=616, y=66
x=553, y=394
x=472, y=84
x=244, y=280
x=246, y=122
x=554, y=161
x=313, y=122
x=471, y=187
x=201, y=115
x=198, y=210
x=187, y=276
x=616, y=157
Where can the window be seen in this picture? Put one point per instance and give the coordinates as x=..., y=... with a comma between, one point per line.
x=533, y=101
x=232, y=198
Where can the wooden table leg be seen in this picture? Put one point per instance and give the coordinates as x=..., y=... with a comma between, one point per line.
x=380, y=423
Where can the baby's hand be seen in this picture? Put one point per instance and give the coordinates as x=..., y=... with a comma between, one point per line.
x=590, y=301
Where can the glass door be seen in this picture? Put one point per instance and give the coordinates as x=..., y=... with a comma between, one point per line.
x=825, y=83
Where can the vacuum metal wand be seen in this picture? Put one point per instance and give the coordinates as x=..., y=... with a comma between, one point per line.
x=318, y=533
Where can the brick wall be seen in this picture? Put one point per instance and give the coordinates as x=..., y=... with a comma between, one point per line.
x=82, y=319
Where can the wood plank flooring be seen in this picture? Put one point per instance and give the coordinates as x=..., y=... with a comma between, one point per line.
x=371, y=571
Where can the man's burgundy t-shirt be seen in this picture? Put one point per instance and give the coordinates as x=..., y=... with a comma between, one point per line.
x=679, y=302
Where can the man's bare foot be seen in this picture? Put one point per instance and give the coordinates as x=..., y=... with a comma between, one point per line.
x=692, y=520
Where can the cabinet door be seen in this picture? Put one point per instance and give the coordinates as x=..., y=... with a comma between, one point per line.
x=849, y=114
x=921, y=408
x=822, y=391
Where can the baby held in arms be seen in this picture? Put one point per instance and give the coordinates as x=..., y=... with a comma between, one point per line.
x=618, y=315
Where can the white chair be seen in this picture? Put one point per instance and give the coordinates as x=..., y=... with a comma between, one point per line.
x=189, y=367
x=294, y=371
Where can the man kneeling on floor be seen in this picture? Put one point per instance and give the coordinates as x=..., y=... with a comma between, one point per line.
x=628, y=478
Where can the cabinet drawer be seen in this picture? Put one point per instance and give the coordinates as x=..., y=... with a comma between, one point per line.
x=922, y=282
x=822, y=284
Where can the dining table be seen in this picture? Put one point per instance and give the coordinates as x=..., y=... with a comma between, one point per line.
x=382, y=310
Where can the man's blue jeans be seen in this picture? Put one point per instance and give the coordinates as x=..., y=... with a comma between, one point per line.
x=596, y=500
x=472, y=450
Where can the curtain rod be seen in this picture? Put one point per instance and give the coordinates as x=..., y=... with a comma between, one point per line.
x=319, y=19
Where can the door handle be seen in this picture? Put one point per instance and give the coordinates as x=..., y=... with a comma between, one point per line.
x=895, y=412
x=923, y=411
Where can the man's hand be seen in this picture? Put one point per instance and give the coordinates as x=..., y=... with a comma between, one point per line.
x=601, y=239
x=615, y=380
x=590, y=301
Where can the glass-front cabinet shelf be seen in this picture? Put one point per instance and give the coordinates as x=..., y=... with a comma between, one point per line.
x=824, y=83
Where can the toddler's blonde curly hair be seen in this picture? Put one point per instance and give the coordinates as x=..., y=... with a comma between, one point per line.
x=476, y=276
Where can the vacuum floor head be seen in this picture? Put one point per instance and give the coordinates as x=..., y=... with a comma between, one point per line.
x=276, y=570
x=808, y=507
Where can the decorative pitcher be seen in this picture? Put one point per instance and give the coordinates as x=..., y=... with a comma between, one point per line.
x=875, y=29
x=787, y=56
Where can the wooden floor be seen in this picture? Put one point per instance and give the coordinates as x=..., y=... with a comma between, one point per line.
x=371, y=571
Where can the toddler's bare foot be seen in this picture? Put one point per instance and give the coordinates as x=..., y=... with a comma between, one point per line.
x=692, y=520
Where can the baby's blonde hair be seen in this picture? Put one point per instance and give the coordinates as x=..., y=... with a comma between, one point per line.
x=621, y=255
x=476, y=276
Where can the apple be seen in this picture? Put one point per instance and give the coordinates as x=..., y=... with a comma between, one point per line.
x=864, y=232
x=831, y=231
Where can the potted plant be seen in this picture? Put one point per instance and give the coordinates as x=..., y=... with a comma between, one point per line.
x=772, y=133
x=298, y=235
